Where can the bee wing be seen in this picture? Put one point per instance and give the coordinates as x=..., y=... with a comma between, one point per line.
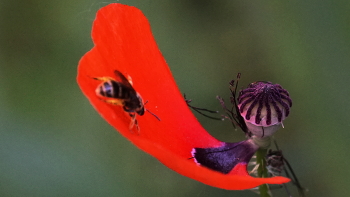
x=121, y=78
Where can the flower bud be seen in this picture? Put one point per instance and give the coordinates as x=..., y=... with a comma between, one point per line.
x=264, y=106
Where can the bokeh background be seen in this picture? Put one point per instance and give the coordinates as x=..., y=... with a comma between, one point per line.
x=53, y=143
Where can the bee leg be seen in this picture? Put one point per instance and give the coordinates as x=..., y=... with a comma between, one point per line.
x=104, y=79
x=113, y=101
x=137, y=126
x=130, y=80
x=133, y=123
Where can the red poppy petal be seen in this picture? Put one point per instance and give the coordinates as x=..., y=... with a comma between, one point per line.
x=123, y=41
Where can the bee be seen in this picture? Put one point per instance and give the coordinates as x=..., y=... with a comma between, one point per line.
x=276, y=163
x=119, y=91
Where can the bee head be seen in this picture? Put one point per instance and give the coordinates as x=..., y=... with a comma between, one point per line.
x=140, y=109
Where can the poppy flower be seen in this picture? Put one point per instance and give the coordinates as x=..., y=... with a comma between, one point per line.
x=123, y=42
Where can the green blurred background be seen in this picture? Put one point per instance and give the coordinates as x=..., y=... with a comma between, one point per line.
x=53, y=143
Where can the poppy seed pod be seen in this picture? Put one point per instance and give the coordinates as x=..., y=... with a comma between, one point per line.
x=264, y=106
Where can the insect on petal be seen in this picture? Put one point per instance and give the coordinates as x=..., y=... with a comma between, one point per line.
x=123, y=41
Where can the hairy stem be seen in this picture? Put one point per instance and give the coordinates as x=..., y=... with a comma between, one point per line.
x=262, y=171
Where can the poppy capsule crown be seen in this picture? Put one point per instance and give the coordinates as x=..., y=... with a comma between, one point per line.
x=264, y=106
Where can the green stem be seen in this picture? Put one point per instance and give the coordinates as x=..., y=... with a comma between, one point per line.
x=262, y=172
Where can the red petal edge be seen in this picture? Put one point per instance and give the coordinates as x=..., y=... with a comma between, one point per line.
x=124, y=41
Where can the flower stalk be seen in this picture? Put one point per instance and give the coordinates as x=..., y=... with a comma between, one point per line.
x=262, y=171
